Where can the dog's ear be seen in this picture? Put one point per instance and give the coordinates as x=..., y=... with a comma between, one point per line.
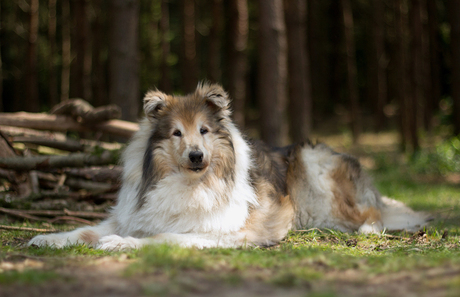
x=215, y=97
x=154, y=102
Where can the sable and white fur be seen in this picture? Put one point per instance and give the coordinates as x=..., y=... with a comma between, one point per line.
x=190, y=178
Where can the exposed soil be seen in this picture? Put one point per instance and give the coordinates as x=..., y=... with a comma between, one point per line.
x=106, y=277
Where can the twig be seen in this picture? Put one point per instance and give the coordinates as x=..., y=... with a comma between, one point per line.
x=27, y=229
x=308, y=230
x=70, y=218
x=20, y=214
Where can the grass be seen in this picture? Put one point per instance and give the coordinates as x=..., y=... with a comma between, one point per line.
x=302, y=260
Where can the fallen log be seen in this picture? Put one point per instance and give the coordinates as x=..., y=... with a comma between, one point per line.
x=99, y=174
x=16, y=131
x=27, y=229
x=42, y=121
x=66, y=145
x=78, y=183
x=81, y=111
x=47, y=162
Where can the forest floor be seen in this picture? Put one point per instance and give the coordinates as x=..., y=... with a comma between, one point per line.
x=307, y=263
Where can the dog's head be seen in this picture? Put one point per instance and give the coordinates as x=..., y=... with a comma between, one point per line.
x=189, y=133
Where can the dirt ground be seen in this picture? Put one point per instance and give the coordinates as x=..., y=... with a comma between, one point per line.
x=106, y=277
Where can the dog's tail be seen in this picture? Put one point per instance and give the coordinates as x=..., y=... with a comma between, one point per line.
x=397, y=216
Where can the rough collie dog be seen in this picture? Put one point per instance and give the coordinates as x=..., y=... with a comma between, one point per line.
x=190, y=178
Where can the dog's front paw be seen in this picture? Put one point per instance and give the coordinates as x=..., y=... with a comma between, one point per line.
x=52, y=240
x=118, y=243
x=370, y=229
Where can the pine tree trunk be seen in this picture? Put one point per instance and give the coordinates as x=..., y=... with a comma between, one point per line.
x=416, y=73
x=214, y=69
x=52, y=84
x=378, y=83
x=300, y=101
x=272, y=71
x=82, y=81
x=99, y=41
x=237, y=59
x=189, y=59
x=66, y=51
x=434, y=96
x=32, y=100
x=453, y=8
x=124, y=57
x=165, y=80
x=352, y=85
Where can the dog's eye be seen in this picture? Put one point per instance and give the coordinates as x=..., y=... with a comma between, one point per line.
x=203, y=131
x=177, y=133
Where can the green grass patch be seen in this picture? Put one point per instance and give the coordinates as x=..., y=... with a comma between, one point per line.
x=29, y=277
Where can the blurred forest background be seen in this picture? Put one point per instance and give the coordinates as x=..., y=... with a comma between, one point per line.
x=290, y=66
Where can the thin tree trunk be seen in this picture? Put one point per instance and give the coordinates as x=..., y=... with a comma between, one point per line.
x=165, y=80
x=189, y=58
x=82, y=63
x=416, y=72
x=237, y=59
x=124, y=60
x=401, y=62
x=66, y=54
x=377, y=63
x=434, y=96
x=453, y=8
x=272, y=71
x=214, y=72
x=1, y=66
x=318, y=43
x=32, y=100
x=300, y=107
x=99, y=41
x=352, y=85
x=52, y=84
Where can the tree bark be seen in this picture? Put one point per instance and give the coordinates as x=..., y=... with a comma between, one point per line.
x=32, y=100
x=66, y=51
x=416, y=73
x=52, y=83
x=99, y=43
x=82, y=81
x=189, y=58
x=1, y=68
x=453, y=7
x=272, y=71
x=165, y=80
x=434, y=95
x=377, y=64
x=300, y=101
x=238, y=27
x=214, y=72
x=124, y=59
x=352, y=85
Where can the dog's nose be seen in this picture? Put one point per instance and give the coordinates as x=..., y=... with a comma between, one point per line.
x=196, y=157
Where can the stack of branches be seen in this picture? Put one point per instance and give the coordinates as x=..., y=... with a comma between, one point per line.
x=50, y=173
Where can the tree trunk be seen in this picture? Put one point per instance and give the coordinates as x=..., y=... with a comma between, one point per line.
x=82, y=81
x=189, y=59
x=401, y=62
x=434, y=96
x=99, y=41
x=272, y=71
x=377, y=63
x=214, y=72
x=1, y=68
x=32, y=100
x=453, y=7
x=352, y=85
x=165, y=80
x=300, y=111
x=237, y=59
x=416, y=72
x=318, y=44
x=52, y=83
x=66, y=54
x=124, y=60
